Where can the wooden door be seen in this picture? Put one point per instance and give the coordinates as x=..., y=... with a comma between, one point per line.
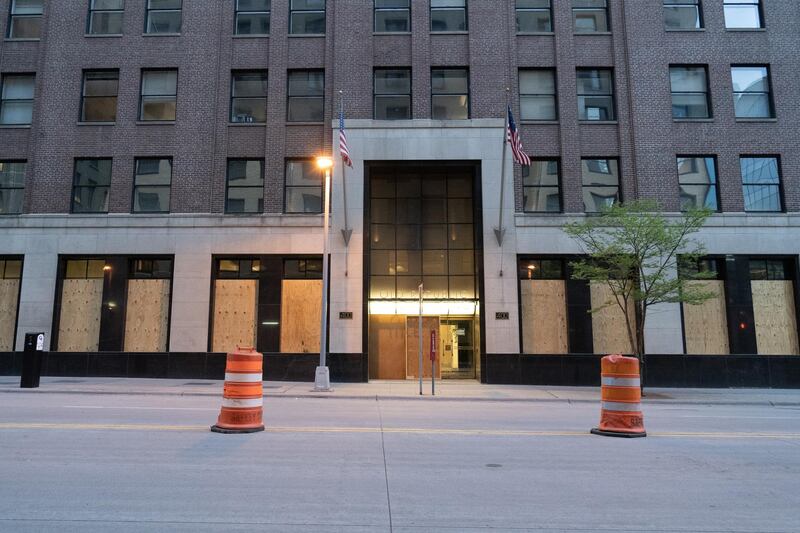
x=387, y=347
x=430, y=324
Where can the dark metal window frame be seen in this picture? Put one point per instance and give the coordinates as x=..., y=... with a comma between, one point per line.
x=20, y=188
x=465, y=9
x=696, y=4
x=228, y=185
x=612, y=94
x=559, y=177
x=707, y=92
x=290, y=97
x=377, y=10
x=82, y=116
x=287, y=186
x=469, y=90
x=142, y=96
x=136, y=186
x=12, y=17
x=618, y=186
x=76, y=187
x=769, y=93
x=238, y=11
x=233, y=96
x=30, y=101
x=149, y=10
x=548, y=10
x=716, y=175
x=779, y=185
x=375, y=93
x=554, y=94
x=292, y=12
x=604, y=9
x=93, y=10
x=759, y=4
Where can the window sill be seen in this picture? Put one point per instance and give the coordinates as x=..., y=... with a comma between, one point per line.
x=605, y=122
x=305, y=123
x=592, y=33
x=89, y=213
x=528, y=33
x=543, y=213
x=251, y=36
x=682, y=120
x=375, y=33
x=746, y=29
x=247, y=124
x=765, y=119
x=20, y=40
x=155, y=122
x=304, y=35
x=746, y=212
x=149, y=213
x=684, y=30
x=161, y=35
x=539, y=122
x=101, y=35
x=15, y=126
x=245, y=214
x=449, y=33
x=96, y=124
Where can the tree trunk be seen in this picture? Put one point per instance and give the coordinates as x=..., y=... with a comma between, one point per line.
x=641, y=312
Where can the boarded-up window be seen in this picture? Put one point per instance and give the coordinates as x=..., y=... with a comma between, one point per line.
x=81, y=304
x=609, y=330
x=705, y=326
x=10, y=277
x=235, y=304
x=543, y=306
x=774, y=307
x=301, y=306
x=147, y=307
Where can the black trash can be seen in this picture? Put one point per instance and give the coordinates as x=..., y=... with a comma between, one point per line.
x=32, y=360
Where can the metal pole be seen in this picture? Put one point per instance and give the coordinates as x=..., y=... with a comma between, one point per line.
x=433, y=364
x=420, y=368
x=500, y=231
x=322, y=381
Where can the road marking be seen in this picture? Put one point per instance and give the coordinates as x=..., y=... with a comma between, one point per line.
x=134, y=408
x=398, y=430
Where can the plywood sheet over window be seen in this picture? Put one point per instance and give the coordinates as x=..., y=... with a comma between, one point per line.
x=147, y=315
x=79, y=323
x=775, y=317
x=9, y=299
x=387, y=347
x=705, y=326
x=301, y=309
x=544, y=316
x=609, y=331
x=235, y=314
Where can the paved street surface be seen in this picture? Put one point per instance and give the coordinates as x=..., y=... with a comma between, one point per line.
x=91, y=461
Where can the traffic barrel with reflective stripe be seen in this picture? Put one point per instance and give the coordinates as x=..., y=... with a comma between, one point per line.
x=242, y=396
x=621, y=398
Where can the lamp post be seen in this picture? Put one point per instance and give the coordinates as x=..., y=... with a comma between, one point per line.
x=322, y=377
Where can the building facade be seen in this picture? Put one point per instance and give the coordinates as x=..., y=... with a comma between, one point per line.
x=160, y=202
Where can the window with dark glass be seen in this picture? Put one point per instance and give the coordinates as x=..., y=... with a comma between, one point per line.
x=105, y=17
x=91, y=184
x=159, y=95
x=163, y=16
x=16, y=99
x=537, y=94
x=249, y=96
x=392, y=16
x=769, y=269
x=683, y=14
x=151, y=185
x=449, y=94
x=761, y=184
x=25, y=21
x=304, y=183
x=236, y=268
x=12, y=186
x=302, y=269
x=600, y=184
x=245, y=191
x=541, y=187
x=534, y=16
x=595, y=94
x=697, y=178
x=743, y=14
x=690, y=97
x=99, y=96
x=392, y=94
x=307, y=17
x=448, y=15
x=590, y=16
x=306, y=102
x=253, y=17
x=752, y=96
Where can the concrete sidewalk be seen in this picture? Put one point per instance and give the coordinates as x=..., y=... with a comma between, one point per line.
x=402, y=390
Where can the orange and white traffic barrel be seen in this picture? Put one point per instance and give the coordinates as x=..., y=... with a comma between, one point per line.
x=621, y=398
x=242, y=397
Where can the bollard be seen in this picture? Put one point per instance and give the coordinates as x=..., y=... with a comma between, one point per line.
x=242, y=397
x=620, y=398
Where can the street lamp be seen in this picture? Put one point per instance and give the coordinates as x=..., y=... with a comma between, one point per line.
x=322, y=377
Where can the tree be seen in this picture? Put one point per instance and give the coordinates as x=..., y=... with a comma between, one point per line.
x=636, y=251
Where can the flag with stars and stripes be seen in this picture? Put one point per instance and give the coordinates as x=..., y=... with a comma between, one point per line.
x=520, y=157
x=343, y=142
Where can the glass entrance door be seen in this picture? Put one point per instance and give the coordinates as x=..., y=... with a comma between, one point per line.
x=458, y=348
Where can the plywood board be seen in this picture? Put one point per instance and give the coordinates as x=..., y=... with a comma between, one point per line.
x=429, y=324
x=544, y=316
x=235, y=315
x=301, y=310
x=609, y=331
x=775, y=317
x=387, y=347
x=79, y=323
x=9, y=299
x=147, y=315
x=705, y=326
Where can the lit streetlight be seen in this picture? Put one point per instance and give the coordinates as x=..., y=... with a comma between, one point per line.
x=322, y=377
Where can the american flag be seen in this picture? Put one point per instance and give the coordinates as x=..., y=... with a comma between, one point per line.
x=343, y=142
x=520, y=157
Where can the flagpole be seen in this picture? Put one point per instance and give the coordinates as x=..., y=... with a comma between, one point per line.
x=500, y=232
x=346, y=232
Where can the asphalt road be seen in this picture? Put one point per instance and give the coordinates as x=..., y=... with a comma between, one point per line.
x=99, y=463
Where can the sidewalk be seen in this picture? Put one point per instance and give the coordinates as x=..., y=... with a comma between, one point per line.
x=402, y=390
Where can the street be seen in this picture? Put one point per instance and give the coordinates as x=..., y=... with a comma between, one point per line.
x=96, y=462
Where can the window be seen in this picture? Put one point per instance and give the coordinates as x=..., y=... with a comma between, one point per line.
x=543, y=305
x=752, y=96
x=534, y=16
x=600, y=184
x=163, y=16
x=590, y=16
x=541, y=187
x=683, y=15
x=16, y=99
x=307, y=17
x=249, y=96
x=392, y=16
x=235, y=268
x=743, y=14
x=697, y=178
x=245, y=192
x=303, y=187
x=392, y=94
x=595, y=94
x=689, y=85
x=302, y=269
x=12, y=186
x=537, y=94
x=306, y=101
x=151, y=185
x=769, y=269
x=449, y=94
x=25, y=21
x=99, y=96
x=448, y=15
x=105, y=17
x=159, y=95
x=90, y=185
x=761, y=184
x=252, y=17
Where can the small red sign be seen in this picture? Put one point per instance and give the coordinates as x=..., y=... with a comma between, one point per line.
x=433, y=345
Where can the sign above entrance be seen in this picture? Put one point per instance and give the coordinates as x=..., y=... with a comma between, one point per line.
x=429, y=307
